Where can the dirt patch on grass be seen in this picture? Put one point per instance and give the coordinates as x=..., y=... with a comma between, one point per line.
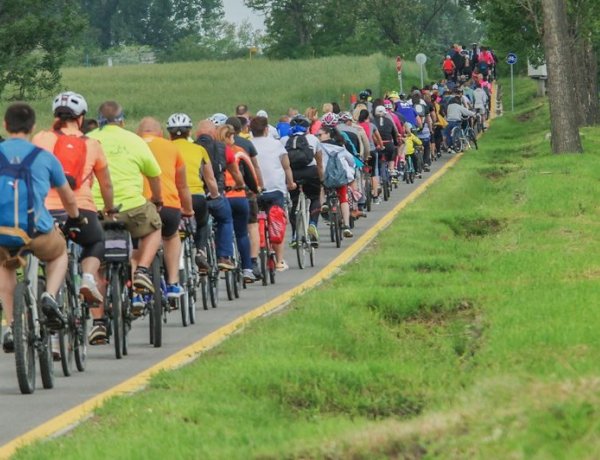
x=433, y=266
x=476, y=227
x=498, y=172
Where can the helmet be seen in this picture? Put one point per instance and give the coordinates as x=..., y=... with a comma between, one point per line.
x=179, y=120
x=329, y=120
x=380, y=110
x=300, y=120
x=408, y=126
x=363, y=95
x=394, y=95
x=388, y=104
x=345, y=116
x=402, y=96
x=71, y=101
x=420, y=110
x=262, y=113
x=219, y=119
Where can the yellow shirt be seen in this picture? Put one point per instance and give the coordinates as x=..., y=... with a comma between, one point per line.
x=194, y=156
x=410, y=143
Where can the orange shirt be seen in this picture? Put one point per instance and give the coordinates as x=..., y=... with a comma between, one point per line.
x=240, y=155
x=95, y=160
x=169, y=159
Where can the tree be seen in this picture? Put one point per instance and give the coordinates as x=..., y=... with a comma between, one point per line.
x=563, y=109
x=34, y=36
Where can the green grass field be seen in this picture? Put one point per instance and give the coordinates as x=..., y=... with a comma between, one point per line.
x=203, y=88
x=467, y=330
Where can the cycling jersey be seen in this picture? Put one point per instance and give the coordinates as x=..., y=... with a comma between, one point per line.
x=129, y=159
x=170, y=160
x=194, y=156
x=246, y=169
x=407, y=112
x=410, y=142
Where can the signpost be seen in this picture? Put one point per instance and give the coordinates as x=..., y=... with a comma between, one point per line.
x=511, y=60
x=421, y=60
x=399, y=70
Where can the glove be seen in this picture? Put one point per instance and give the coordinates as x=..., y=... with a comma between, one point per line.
x=73, y=226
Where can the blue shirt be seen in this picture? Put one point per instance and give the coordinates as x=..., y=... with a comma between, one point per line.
x=46, y=172
x=407, y=112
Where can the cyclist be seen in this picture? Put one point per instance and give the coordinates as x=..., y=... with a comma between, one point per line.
x=277, y=174
x=310, y=174
x=411, y=140
x=480, y=102
x=130, y=160
x=389, y=137
x=177, y=200
x=69, y=110
x=200, y=179
x=272, y=130
x=47, y=244
x=455, y=112
x=333, y=143
x=220, y=209
x=448, y=67
x=375, y=146
x=238, y=201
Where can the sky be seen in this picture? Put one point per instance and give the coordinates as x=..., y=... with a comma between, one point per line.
x=236, y=12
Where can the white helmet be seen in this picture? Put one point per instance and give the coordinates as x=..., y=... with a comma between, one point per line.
x=219, y=119
x=71, y=101
x=179, y=120
x=380, y=111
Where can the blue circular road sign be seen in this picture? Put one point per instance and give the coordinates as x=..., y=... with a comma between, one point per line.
x=511, y=58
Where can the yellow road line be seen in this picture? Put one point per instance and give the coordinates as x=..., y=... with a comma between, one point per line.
x=135, y=383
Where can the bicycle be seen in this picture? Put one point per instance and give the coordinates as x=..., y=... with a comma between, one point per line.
x=409, y=169
x=302, y=240
x=236, y=280
x=189, y=277
x=368, y=188
x=210, y=280
x=117, y=300
x=157, y=306
x=267, y=257
x=334, y=216
x=31, y=335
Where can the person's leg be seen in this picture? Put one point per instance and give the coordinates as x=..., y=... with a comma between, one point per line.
x=221, y=212
x=8, y=283
x=200, y=206
x=172, y=250
x=241, y=211
x=342, y=193
x=294, y=195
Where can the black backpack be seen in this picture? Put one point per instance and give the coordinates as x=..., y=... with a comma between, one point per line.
x=299, y=152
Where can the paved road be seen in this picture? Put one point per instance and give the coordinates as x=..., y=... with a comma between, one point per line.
x=21, y=413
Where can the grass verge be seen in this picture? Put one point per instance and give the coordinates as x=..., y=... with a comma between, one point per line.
x=467, y=330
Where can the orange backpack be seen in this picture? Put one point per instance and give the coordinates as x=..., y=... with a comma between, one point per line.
x=71, y=151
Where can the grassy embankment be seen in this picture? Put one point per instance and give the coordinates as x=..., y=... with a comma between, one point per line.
x=203, y=88
x=468, y=330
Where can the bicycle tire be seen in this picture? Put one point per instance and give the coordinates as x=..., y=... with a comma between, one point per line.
x=183, y=299
x=456, y=138
x=204, y=290
x=45, y=357
x=386, y=193
x=81, y=327
x=157, y=303
x=272, y=265
x=116, y=312
x=125, y=313
x=229, y=281
x=337, y=230
x=213, y=288
x=472, y=137
x=368, y=193
x=263, y=265
x=312, y=253
x=301, y=239
x=23, y=331
x=68, y=335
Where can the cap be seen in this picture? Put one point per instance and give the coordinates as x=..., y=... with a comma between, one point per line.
x=394, y=95
x=262, y=113
x=380, y=110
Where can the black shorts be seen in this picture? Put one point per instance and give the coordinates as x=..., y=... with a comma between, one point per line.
x=170, y=217
x=389, y=152
x=91, y=237
x=253, y=217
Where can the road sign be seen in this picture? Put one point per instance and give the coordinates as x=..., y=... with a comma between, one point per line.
x=398, y=64
x=421, y=59
x=511, y=58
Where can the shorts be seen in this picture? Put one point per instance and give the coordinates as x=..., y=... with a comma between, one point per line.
x=253, y=217
x=170, y=218
x=45, y=246
x=140, y=221
x=389, y=152
x=91, y=237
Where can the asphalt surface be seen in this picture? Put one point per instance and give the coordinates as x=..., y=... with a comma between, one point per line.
x=22, y=413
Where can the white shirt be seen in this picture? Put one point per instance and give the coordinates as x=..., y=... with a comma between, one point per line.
x=273, y=132
x=269, y=156
x=313, y=142
x=480, y=98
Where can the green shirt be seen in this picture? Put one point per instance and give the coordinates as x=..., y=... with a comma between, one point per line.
x=129, y=160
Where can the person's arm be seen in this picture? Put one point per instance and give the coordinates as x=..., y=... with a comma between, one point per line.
x=155, y=190
x=319, y=161
x=377, y=139
x=184, y=191
x=249, y=175
x=67, y=197
x=234, y=170
x=257, y=171
x=106, y=188
x=289, y=177
x=208, y=176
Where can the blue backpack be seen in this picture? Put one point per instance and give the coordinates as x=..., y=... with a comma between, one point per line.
x=17, y=219
x=335, y=174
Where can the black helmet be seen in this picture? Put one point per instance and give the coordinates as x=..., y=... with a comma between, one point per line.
x=300, y=120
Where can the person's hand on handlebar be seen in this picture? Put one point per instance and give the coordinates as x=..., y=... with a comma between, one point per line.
x=73, y=225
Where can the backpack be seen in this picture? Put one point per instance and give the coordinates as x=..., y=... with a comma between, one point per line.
x=71, y=151
x=299, y=152
x=335, y=174
x=277, y=223
x=483, y=67
x=17, y=218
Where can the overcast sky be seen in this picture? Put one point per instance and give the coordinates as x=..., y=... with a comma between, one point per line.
x=235, y=11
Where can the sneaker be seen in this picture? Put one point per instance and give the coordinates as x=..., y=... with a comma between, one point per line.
x=202, y=261
x=248, y=276
x=55, y=319
x=324, y=209
x=89, y=291
x=137, y=305
x=426, y=169
x=55, y=347
x=97, y=334
x=420, y=176
x=313, y=234
x=256, y=271
x=294, y=244
x=357, y=214
x=225, y=263
x=142, y=280
x=281, y=266
x=174, y=291
x=347, y=233
x=8, y=341
x=376, y=200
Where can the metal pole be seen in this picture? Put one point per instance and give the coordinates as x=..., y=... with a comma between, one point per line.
x=400, y=81
x=421, y=75
x=512, y=89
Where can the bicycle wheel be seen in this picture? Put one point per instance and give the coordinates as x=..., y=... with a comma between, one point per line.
x=44, y=348
x=368, y=193
x=272, y=265
x=157, y=303
x=23, y=333
x=81, y=328
x=125, y=312
x=456, y=134
x=204, y=289
x=67, y=335
x=301, y=238
x=335, y=224
x=313, y=255
x=184, y=300
x=472, y=138
x=263, y=265
x=115, y=299
x=229, y=282
x=213, y=288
